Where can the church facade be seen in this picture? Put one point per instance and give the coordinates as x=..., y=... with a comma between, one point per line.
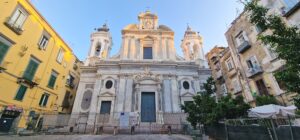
x=146, y=77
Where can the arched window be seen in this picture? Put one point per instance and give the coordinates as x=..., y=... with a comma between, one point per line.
x=86, y=100
x=98, y=49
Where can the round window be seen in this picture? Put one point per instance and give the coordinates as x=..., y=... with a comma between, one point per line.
x=186, y=85
x=108, y=84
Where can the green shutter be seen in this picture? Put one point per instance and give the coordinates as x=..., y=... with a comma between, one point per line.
x=46, y=100
x=3, y=51
x=52, y=80
x=21, y=92
x=30, y=70
x=41, y=100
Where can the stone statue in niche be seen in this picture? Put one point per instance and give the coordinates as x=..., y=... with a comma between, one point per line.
x=148, y=24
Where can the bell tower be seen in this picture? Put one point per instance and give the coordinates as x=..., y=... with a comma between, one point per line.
x=192, y=45
x=101, y=43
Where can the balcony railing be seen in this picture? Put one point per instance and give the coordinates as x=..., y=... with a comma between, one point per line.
x=244, y=46
x=70, y=84
x=22, y=79
x=16, y=28
x=254, y=71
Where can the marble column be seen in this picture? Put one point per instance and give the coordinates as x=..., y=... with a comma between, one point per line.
x=175, y=95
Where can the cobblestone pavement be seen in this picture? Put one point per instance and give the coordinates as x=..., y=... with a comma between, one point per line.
x=98, y=137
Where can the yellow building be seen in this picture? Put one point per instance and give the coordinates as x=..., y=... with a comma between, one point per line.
x=38, y=71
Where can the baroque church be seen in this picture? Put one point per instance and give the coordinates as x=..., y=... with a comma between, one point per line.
x=145, y=77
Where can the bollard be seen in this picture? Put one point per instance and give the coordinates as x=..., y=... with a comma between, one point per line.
x=115, y=130
x=169, y=130
x=132, y=130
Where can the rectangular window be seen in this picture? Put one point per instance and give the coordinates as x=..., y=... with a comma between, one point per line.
x=240, y=39
x=21, y=92
x=262, y=89
x=3, y=50
x=60, y=55
x=105, y=107
x=44, y=100
x=271, y=52
x=66, y=102
x=252, y=63
x=224, y=89
x=43, y=41
x=236, y=85
x=70, y=80
x=31, y=69
x=229, y=64
x=147, y=52
x=52, y=79
x=18, y=18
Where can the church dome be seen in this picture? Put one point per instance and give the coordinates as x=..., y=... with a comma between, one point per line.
x=131, y=27
x=164, y=28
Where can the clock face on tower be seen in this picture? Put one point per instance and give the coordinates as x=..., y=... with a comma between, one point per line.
x=148, y=24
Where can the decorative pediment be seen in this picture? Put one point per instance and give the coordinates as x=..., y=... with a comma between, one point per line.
x=187, y=94
x=146, y=76
x=106, y=94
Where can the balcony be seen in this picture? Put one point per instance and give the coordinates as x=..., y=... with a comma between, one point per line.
x=244, y=46
x=31, y=82
x=254, y=71
x=70, y=84
x=11, y=25
x=26, y=81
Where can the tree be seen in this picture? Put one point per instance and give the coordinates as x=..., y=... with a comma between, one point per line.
x=230, y=108
x=201, y=110
x=265, y=100
x=204, y=109
x=283, y=39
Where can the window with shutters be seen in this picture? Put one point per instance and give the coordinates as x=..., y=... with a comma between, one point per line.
x=44, y=41
x=70, y=81
x=60, y=55
x=252, y=62
x=44, y=100
x=52, y=79
x=21, y=93
x=16, y=21
x=31, y=69
x=240, y=38
x=229, y=64
x=3, y=50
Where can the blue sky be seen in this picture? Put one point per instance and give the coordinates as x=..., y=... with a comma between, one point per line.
x=75, y=20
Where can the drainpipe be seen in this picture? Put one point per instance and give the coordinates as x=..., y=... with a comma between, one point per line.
x=242, y=68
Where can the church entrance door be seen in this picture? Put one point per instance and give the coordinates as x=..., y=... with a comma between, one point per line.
x=148, y=107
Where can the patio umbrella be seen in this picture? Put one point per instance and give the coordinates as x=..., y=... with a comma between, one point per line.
x=271, y=110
